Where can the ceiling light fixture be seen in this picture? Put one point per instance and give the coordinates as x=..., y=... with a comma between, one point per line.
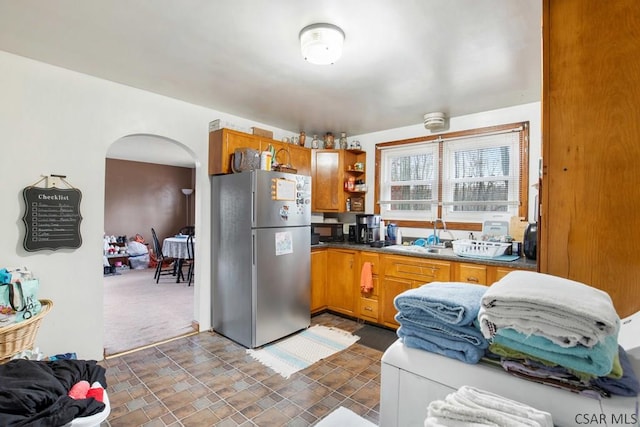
x=321, y=43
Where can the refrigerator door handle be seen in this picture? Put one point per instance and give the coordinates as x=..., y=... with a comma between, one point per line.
x=253, y=249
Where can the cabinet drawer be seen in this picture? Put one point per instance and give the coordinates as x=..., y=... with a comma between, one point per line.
x=471, y=273
x=369, y=308
x=373, y=258
x=421, y=270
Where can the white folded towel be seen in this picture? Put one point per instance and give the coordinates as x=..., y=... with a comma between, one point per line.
x=469, y=407
x=564, y=311
x=476, y=398
x=432, y=421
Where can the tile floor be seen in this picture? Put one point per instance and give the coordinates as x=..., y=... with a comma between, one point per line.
x=208, y=380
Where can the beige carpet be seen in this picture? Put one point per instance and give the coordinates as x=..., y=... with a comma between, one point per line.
x=139, y=312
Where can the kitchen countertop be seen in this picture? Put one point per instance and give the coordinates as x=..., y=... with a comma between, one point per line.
x=446, y=255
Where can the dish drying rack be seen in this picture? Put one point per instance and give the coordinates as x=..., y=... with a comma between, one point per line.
x=479, y=249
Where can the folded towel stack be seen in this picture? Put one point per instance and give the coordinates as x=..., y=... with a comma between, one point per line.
x=469, y=406
x=555, y=321
x=440, y=317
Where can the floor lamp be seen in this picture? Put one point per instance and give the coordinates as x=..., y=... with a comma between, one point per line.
x=187, y=192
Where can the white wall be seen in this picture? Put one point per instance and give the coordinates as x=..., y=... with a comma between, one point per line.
x=55, y=121
x=521, y=113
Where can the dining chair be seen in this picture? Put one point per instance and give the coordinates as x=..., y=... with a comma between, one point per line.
x=190, y=260
x=164, y=264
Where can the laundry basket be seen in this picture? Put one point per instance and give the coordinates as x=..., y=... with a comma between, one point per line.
x=20, y=336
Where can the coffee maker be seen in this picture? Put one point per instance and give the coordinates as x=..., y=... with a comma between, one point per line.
x=367, y=228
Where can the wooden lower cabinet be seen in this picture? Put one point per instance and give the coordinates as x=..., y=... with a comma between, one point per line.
x=479, y=274
x=368, y=302
x=471, y=273
x=341, y=279
x=496, y=273
x=402, y=273
x=318, y=280
x=336, y=275
x=392, y=286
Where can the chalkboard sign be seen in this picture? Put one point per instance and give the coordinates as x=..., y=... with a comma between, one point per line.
x=52, y=218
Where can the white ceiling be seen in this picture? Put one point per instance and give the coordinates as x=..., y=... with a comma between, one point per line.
x=402, y=58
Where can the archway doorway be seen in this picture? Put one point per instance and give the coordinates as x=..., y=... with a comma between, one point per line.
x=145, y=176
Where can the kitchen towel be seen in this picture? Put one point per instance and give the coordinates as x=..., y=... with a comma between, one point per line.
x=366, y=278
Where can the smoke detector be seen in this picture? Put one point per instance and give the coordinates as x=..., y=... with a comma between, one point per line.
x=434, y=121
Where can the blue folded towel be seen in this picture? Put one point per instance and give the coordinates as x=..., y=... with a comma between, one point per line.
x=450, y=302
x=469, y=333
x=442, y=344
x=627, y=385
x=597, y=360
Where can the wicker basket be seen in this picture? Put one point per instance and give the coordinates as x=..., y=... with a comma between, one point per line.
x=20, y=336
x=284, y=166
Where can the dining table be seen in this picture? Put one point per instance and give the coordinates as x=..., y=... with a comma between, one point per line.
x=176, y=247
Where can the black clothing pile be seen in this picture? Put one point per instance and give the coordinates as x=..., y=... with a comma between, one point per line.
x=34, y=393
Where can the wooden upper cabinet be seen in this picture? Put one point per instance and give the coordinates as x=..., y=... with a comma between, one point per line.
x=298, y=157
x=327, y=187
x=223, y=142
x=331, y=169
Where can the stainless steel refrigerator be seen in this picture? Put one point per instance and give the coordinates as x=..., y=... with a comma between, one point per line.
x=261, y=255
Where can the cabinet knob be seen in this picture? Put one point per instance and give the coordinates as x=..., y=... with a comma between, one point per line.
x=473, y=279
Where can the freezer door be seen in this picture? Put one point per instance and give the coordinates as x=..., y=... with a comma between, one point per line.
x=282, y=280
x=281, y=199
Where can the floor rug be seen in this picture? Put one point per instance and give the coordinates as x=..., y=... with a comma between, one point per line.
x=376, y=337
x=303, y=349
x=343, y=417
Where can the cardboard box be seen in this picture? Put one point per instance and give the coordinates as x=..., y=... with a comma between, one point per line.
x=262, y=132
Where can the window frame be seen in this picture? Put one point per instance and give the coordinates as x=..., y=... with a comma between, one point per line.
x=523, y=180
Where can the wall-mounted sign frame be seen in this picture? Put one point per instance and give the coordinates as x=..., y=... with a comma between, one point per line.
x=51, y=217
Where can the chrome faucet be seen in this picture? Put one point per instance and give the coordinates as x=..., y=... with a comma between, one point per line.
x=436, y=232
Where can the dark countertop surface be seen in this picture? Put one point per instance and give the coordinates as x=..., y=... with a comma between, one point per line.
x=445, y=255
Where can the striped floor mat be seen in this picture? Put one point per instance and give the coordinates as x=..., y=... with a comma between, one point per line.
x=303, y=349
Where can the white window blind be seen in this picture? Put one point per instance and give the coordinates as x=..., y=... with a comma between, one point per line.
x=409, y=187
x=480, y=175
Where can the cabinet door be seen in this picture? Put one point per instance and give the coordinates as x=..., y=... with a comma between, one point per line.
x=341, y=287
x=391, y=286
x=589, y=188
x=222, y=144
x=327, y=183
x=318, y=280
x=300, y=159
x=472, y=273
x=374, y=259
x=418, y=269
x=496, y=273
x=368, y=302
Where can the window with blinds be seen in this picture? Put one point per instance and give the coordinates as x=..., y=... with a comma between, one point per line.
x=459, y=177
x=411, y=177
